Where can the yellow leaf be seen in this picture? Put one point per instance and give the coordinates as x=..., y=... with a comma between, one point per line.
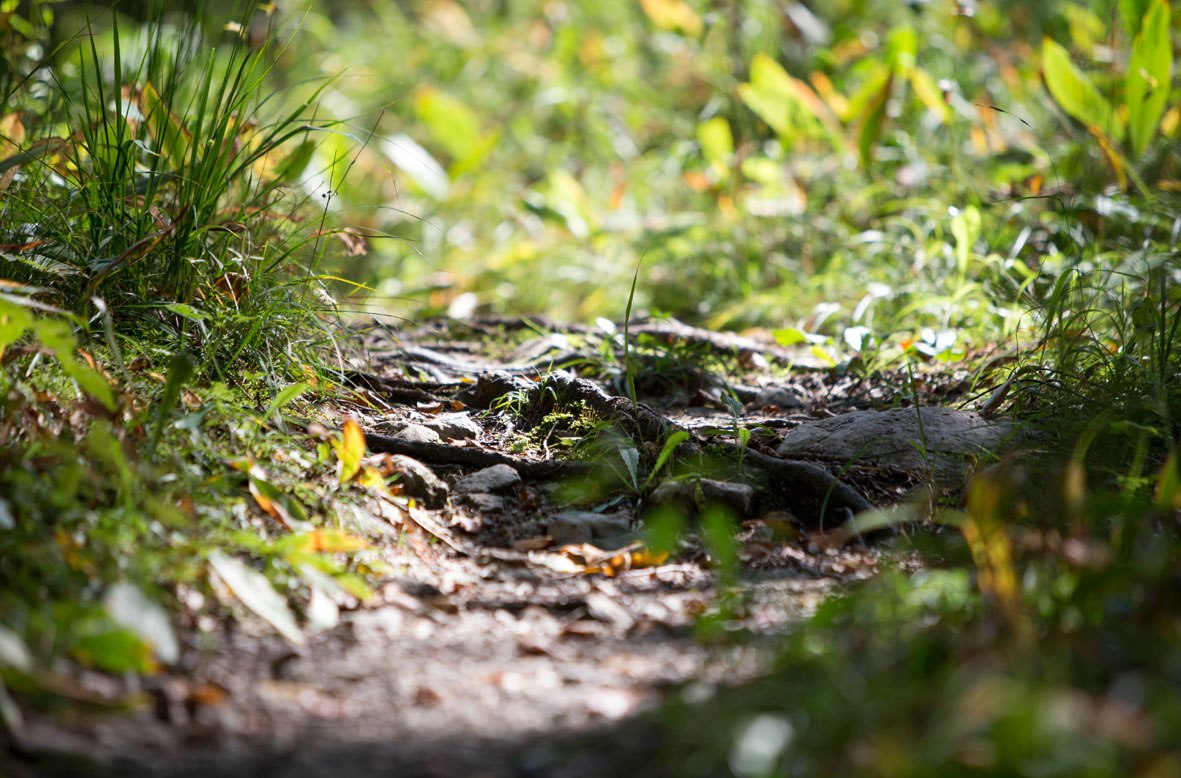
x=329, y=541
x=350, y=450
x=371, y=478
x=674, y=15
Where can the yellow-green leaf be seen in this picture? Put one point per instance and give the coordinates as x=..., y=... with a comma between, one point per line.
x=1076, y=93
x=1149, y=76
x=350, y=450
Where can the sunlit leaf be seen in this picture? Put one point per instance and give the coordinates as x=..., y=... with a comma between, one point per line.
x=717, y=143
x=666, y=451
x=1149, y=76
x=286, y=395
x=172, y=138
x=326, y=541
x=130, y=607
x=675, y=15
x=453, y=125
x=13, y=652
x=788, y=105
x=416, y=162
x=350, y=450
x=789, y=336
x=1076, y=93
x=116, y=650
x=255, y=592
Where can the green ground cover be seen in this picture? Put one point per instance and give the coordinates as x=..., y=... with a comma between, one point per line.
x=188, y=211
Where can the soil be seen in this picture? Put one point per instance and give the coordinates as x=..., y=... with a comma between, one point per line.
x=489, y=649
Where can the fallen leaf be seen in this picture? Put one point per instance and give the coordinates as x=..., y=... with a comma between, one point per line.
x=350, y=450
x=533, y=544
x=130, y=607
x=255, y=592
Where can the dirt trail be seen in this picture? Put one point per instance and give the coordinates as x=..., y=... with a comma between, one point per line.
x=487, y=646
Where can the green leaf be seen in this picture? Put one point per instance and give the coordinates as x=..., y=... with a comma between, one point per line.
x=775, y=97
x=187, y=311
x=286, y=395
x=58, y=338
x=717, y=142
x=965, y=227
x=294, y=162
x=128, y=605
x=1149, y=76
x=1077, y=95
x=789, y=336
x=115, y=651
x=255, y=592
x=179, y=372
x=14, y=321
x=871, y=126
x=666, y=451
x=1132, y=13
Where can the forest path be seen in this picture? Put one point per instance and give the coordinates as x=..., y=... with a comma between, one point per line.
x=517, y=610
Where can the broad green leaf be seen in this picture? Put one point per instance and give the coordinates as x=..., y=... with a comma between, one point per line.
x=282, y=507
x=1168, y=484
x=255, y=592
x=929, y=93
x=717, y=526
x=789, y=336
x=130, y=607
x=1077, y=95
x=294, y=162
x=167, y=129
x=631, y=460
x=1149, y=76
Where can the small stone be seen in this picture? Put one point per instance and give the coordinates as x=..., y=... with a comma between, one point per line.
x=571, y=527
x=498, y=478
x=419, y=481
x=485, y=503
x=417, y=433
x=454, y=426
x=777, y=396
x=697, y=493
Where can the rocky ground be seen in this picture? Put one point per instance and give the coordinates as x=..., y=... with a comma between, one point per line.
x=522, y=608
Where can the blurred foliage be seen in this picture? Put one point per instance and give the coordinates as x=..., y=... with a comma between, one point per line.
x=861, y=164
